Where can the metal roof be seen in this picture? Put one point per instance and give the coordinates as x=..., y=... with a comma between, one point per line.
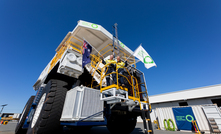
x=201, y=92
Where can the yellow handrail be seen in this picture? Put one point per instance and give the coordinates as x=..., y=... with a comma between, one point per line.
x=131, y=80
x=105, y=47
x=195, y=124
x=61, y=51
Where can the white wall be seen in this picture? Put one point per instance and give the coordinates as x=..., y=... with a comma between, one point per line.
x=201, y=101
x=202, y=92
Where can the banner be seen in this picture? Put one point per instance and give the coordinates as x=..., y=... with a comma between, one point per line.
x=184, y=117
x=144, y=57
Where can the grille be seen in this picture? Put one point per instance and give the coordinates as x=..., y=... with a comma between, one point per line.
x=82, y=103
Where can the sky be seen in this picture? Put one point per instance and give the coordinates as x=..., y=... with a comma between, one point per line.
x=182, y=36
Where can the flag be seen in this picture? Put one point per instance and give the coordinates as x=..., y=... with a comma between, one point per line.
x=144, y=57
x=87, y=49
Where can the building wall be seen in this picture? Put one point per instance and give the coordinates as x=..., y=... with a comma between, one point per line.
x=202, y=92
x=197, y=96
x=200, y=101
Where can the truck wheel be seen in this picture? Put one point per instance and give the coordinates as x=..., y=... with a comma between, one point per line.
x=21, y=121
x=46, y=119
x=121, y=124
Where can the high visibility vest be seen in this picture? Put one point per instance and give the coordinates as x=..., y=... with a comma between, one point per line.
x=108, y=62
x=120, y=64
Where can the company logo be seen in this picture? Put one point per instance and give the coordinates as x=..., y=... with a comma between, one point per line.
x=146, y=58
x=121, y=44
x=95, y=26
x=188, y=118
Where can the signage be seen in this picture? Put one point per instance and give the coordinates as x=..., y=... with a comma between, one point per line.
x=184, y=117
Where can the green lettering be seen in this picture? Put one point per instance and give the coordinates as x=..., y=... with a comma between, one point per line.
x=121, y=44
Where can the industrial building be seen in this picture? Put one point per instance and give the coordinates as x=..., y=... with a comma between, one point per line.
x=204, y=103
x=196, y=96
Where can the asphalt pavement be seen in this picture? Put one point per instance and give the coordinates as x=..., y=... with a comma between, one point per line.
x=10, y=129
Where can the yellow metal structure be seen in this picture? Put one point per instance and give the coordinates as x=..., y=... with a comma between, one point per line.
x=4, y=120
x=65, y=46
x=96, y=62
x=156, y=122
x=197, y=128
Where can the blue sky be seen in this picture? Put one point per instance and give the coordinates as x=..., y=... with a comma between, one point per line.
x=182, y=36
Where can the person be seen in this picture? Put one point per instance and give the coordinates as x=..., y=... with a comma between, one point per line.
x=120, y=68
x=110, y=68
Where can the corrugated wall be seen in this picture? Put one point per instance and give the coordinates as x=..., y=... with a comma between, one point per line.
x=152, y=115
x=164, y=113
x=201, y=118
x=167, y=113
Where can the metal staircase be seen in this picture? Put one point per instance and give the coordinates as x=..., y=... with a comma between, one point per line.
x=213, y=115
x=213, y=125
x=95, y=74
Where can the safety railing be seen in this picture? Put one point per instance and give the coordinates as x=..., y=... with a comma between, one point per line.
x=131, y=84
x=124, y=55
x=68, y=44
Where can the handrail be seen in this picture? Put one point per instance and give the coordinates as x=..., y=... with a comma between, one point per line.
x=105, y=47
x=197, y=128
x=132, y=81
x=61, y=51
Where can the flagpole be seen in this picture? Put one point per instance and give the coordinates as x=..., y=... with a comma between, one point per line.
x=135, y=62
x=91, y=45
x=134, y=51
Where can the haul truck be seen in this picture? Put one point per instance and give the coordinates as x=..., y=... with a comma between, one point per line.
x=77, y=97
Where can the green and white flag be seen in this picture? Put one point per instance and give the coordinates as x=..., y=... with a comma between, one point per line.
x=143, y=56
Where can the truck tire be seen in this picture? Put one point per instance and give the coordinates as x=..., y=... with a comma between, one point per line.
x=121, y=124
x=46, y=119
x=21, y=121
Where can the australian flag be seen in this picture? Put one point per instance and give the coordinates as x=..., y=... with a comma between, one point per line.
x=87, y=49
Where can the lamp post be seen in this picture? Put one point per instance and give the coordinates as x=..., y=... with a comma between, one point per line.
x=3, y=107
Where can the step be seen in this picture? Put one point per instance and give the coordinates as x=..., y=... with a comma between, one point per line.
x=213, y=123
x=214, y=126
x=211, y=119
x=216, y=130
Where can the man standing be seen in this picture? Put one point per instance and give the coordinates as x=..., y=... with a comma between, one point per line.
x=110, y=68
x=120, y=68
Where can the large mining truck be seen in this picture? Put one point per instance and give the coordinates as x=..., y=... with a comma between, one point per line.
x=69, y=95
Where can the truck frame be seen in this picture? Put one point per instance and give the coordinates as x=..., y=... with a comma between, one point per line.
x=77, y=97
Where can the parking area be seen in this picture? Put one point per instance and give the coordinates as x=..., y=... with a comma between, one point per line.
x=10, y=128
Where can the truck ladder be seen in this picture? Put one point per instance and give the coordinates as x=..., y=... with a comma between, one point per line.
x=146, y=121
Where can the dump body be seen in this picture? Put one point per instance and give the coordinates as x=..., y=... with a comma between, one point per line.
x=96, y=35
